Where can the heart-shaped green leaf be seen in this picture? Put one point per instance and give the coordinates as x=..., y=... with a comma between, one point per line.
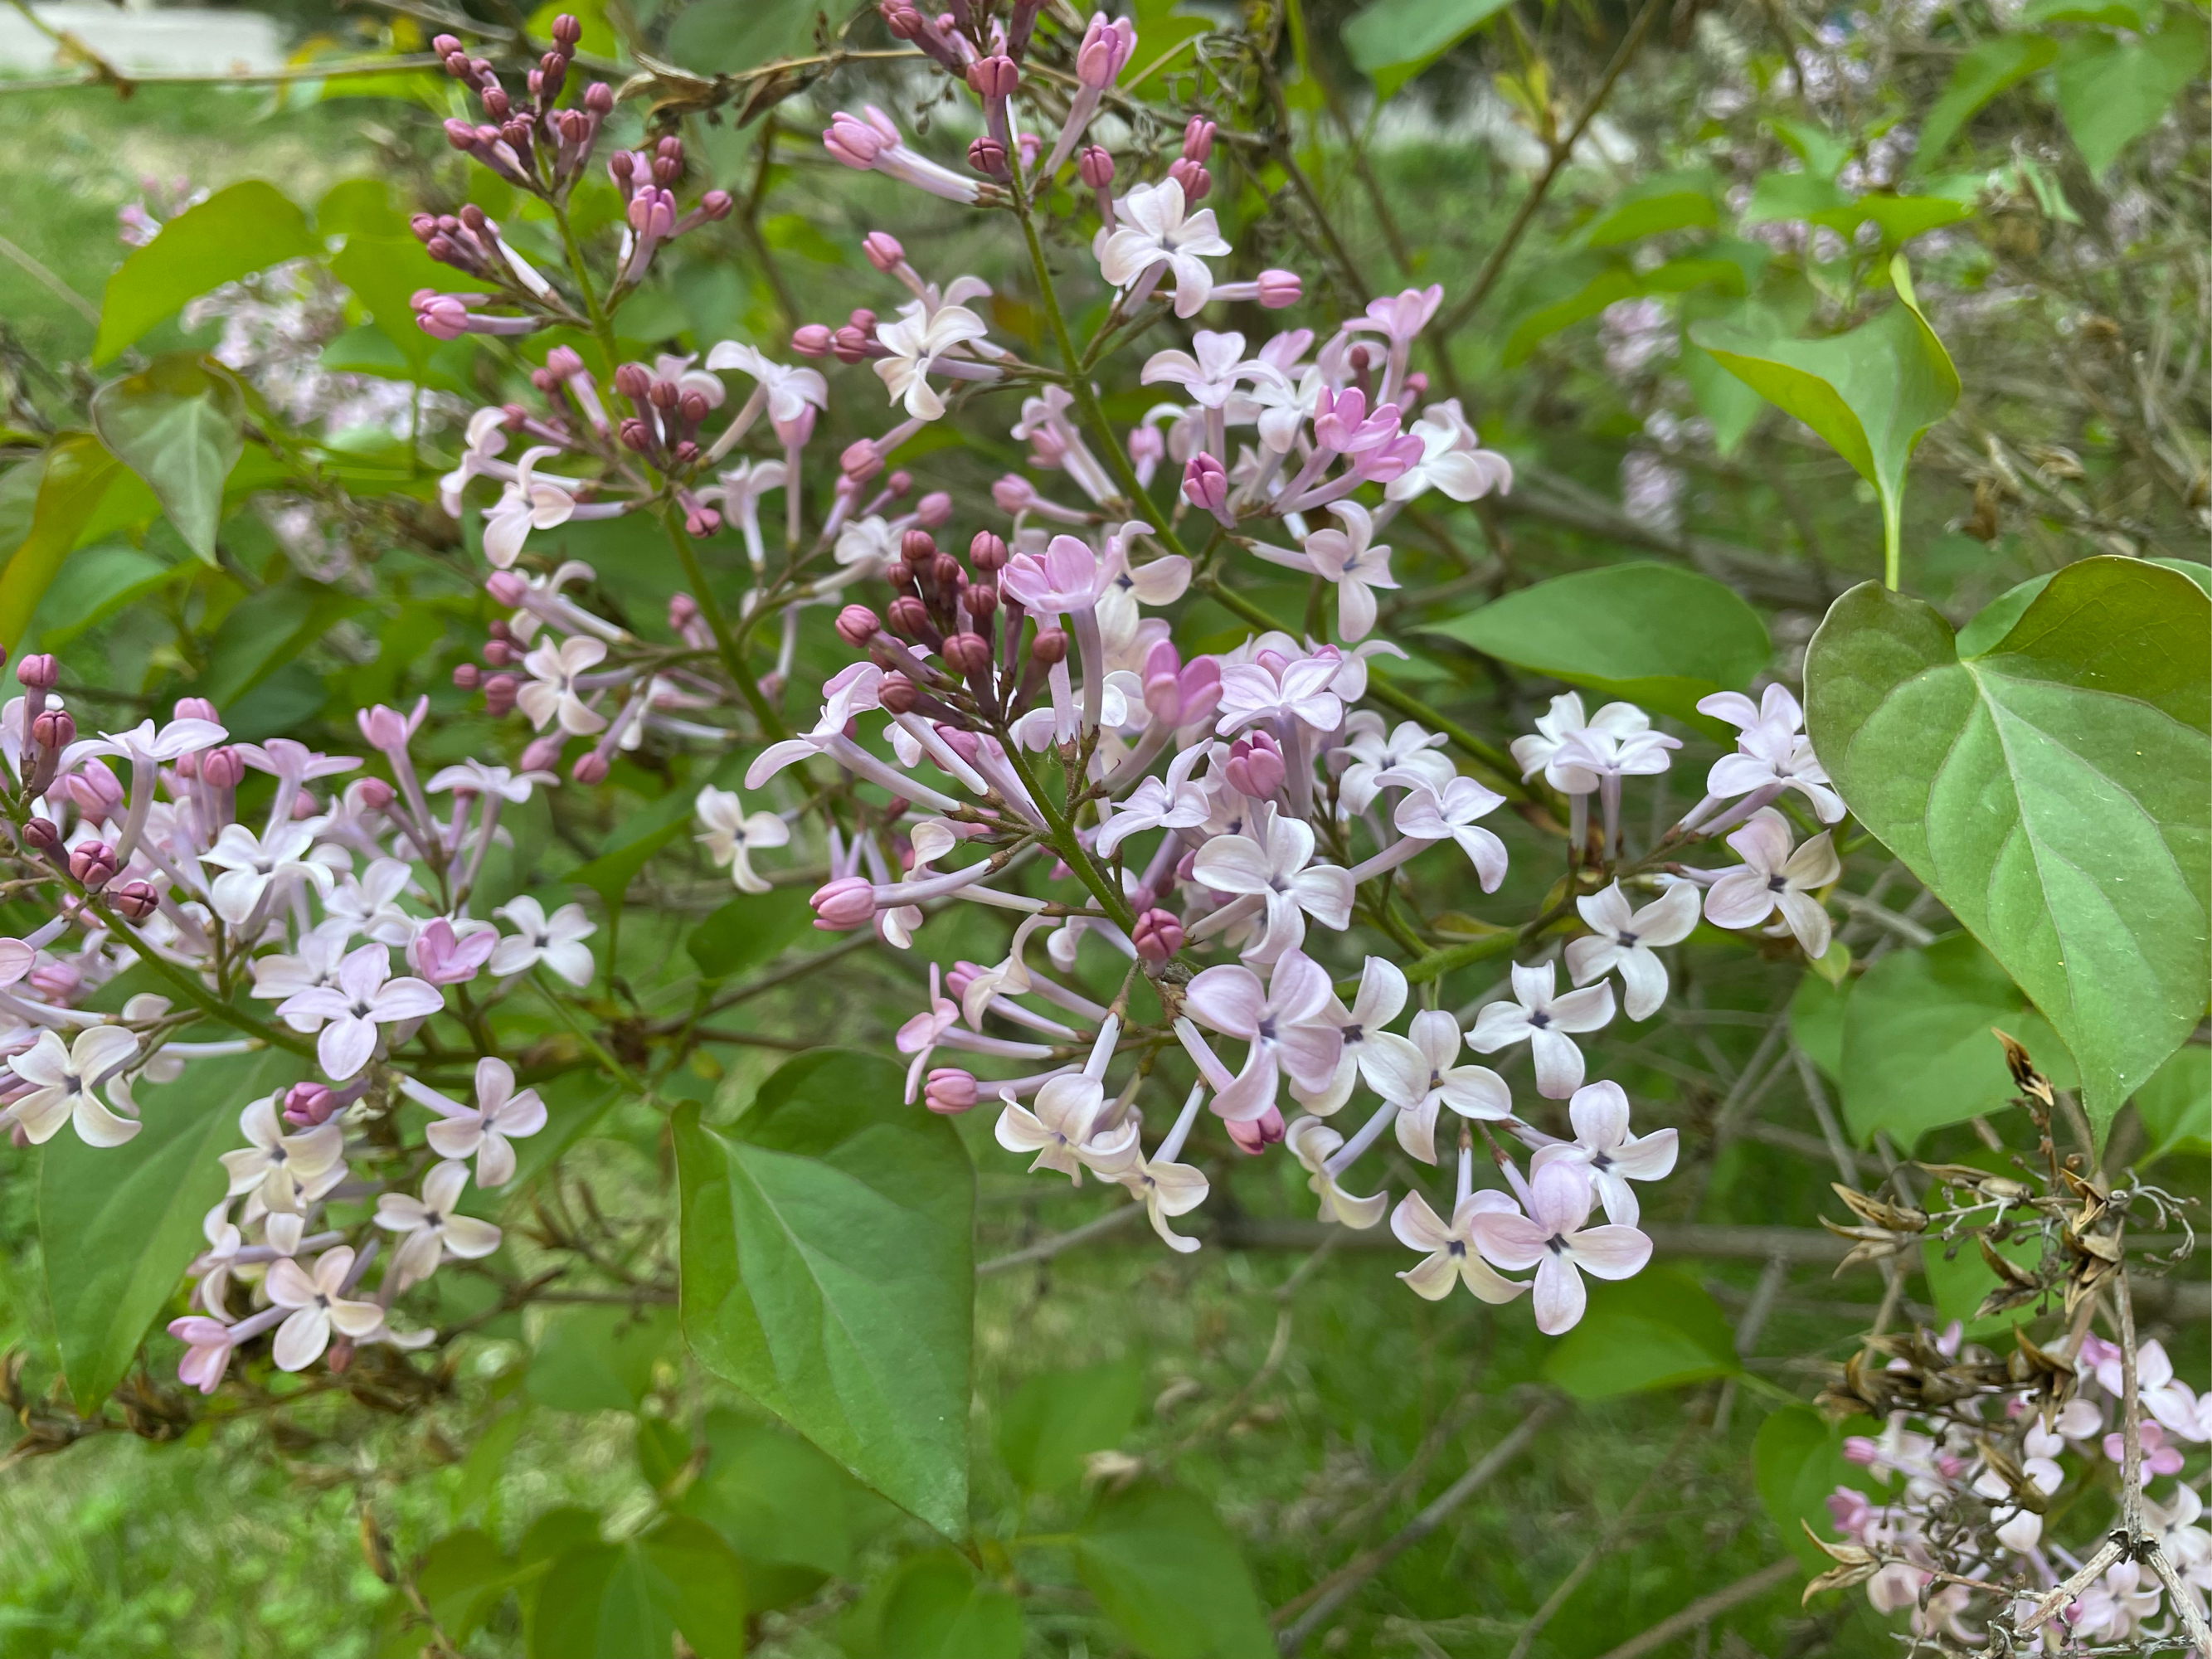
x=1168, y=1574
x=179, y=425
x=246, y=227
x=1391, y=41
x=827, y=1270
x=1980, y=75
x=627, y=1601
x=2053, y=791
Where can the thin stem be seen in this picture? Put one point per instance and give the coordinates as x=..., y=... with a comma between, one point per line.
x=718, y=624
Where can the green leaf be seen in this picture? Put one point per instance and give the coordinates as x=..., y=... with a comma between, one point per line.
x=1607, y=288
x=179, y=425
x=751, y=929
x=1391, y=41
x=596, y=1359
x=1796, y=1460
x=1657, y=1332
x=92, y=585
x=462, y=1576
x=1727, y=402
x=663, y=1451
x=1653, y=633
x=1899, y=218
x=117, y=1224
x=77, y=474
x=1053, y=1420
x=2108, y=14
x=1987, y=68
x=627, y=1601
x=740, y=31
x=1957, y=1279
x=1166, y=1571
x=1816, y=1022
x=1673, y=201
x=934, y=1607
x=793, y=1516
x=611, y=874
x=1821, y=151
x=1918, y=1053
x=1782, y=197
x=1995, y=620
x=2176, y=1105
x=2053, y=791
x=2112, y=92
x=1871, y=393
x=2195, y=569
x=245, y=227
x=827, y=1270
x=383, y=273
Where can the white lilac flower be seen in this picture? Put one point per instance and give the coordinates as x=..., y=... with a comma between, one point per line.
x=1276, y=867
x=474, y=777
x=1313, y=1143
x=788, y=389
x=284, y=1172
x=530, y=503
x=1429, y=812
x=1409, y=749
x=1773, y=877
x=1167, y=1189
x=915, y=343
x=1451, y=460
x=1345, y=558
x=732, y=834
x=317, y=1304
x=367, y=904
x=1212, y=375
x=555, y=940
x=1452, y=1256
x=279, y=975
x=1380, y=999
x=254, y=867
x=1544, y=1021
x=1554, y=1239
x=1272, y=686
x=1603, y=1146
x=1285, y=1025
x=1619, y=736
x=430, y=1228
x=365, y=997
x=1416, y=1074
x=1063, y=1130
x=66, y=1080
x=1771, y=753
x=551, y=692
x=1172, y=803
x=1155, y=234
x=1622, y=941
x=502, y=1115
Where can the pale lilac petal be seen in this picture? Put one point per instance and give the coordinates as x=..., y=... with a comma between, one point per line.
x=1395, y=1068
x=345, y=1047
x=1486, y=853
x=1740, y=898
x=1650, y=1157
x=1643, y=983
x=1509, y=1241
x=1417, y=1226
x=1476, y=1092
x=1807, y=920
x=1670, y=918
x=1417, y=1129
x=1228, y=1000
x=1560, y=1197
x=1612, y=1252
x=1559, y=1300
x=1498, y=1024
x=1600, y=1115
x=1432, y=1279
x=469, y=1237
x=1586, y=1010
x=1233, y=864
x=301, y=1339
x=1558, y=1064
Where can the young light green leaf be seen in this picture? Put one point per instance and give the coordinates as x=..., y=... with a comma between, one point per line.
x=1672, y=201
x=2055, y=791
x=246, y=227
x=780, y=1504
x=1654, y=634
x=117, y=1224
x=1168, y=1574
x=383, y=273
x=2111, y=92
x=1053, y=1420
x=1871, y=393
x=92, y=585
x=1391, y=41
x=1660, y=1332
x=179, y=425
x=828, y=1272
x=1606, y=287
x=1985, y=70
x=628, y=1600
x=1917, y=1049
x=462, y=1577
x=77, y=474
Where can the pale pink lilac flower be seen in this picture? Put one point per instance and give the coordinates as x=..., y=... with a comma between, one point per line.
x=1378, y=1001
x=1156, y=234
x=66, y=1080
x=1415, y=1072
x=502, y=1115
x=365, y=997
x=1773, y=876
x=1545, y=1021
x=732, y=834
x=552, y=692
x=1285, y=1025
x=430, y=1228
x=284, y=1172
x=1554, y=1239
x=1613, y=1156
x=1350, y=559
x=317, y=1305
x=555, y=940
x=1621, y=941
x=1063, y=1131
x=1275, y=866
x=1452, y=1256
x=1449, y=811
x=1314, y=1143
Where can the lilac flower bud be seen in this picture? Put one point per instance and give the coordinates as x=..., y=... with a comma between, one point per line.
x=948, y=1090
x=499, y=654
x=56, y=982
x=664, y=394
x=92, y=863
x=987, y=157
x=567, y=33
x=543, y=754
x=988, y=553
x=856, y=626
x=589, y=768
x=944, y=573
x=1147, y=445
x=375, y=794
x=1198, y=139
x=95, y=790
x=54, y=729
x=1279, y=289
x=440, y=316
x=860, y=461
x=1095, y=167
x=39, y=674
x=850, y=345
x=634, y=381
x=42, y=835
x=136, y=899
x=1417, y=383
x=1197, y=183
x=884, y=251
x=854, y=141
x=635, y=434
x=917, y=548
x=496, y=105
x=994, y=77
x=811, y=340
x=908, y=615
x=460, y=134
x=897, y=694
x=934, y=510
x=899, y=483
x=968, y=653
x=1255, y=766
x=1049, y=648
x=981, y=600
x=682, y=612
x=1205, y=485
x=467, y=676
x=902, y=18
x=1258, y=1134
x=445, y=46
x=703, y=521
x=1014, y=494
x=499, y=691
x=193, y=708
x=600, y=97
x=1106, y=48
x=307, y=1104
x=1158, y=935
x=717, y=203
x=222, y=768
x=846, y=904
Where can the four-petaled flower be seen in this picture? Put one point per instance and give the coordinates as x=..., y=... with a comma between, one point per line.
x=555, y=940
x=1174, y=803
x=1286, y=1025
x=429, y=1227
x=1772, y=752
x=1062, y=1131
x=254, y=865
x=1167, y=1189
x=365, y=997
x=1415, y=1073
x=733, y=833
x=1153, y=229
x=1409, y=749
x=1621, y=941
x=66, y=1080
x=1544, y=1021
x=318, y=1302
x=285, y=1172
x=1430, y=812
x=1553, y=1239
x=1573, y=752
x=915, y=341
x=1345, y=557
x=502, y=1115
x=551, y=691
x=1381, y=997
x=1313, y=1142
x=1603, y=1146
x=1773, y=876
x=529, y=503
x=1453, y=1258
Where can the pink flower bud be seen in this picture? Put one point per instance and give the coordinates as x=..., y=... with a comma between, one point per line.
x=95, y=790
x=375, y=794
x=56, y=982
x=567, y=31
x=600, y=97
x=1050, y=646
x=1095, y=167
x=988, y=553
x=499, y=654
x=543, y=754
x=42, y=835
x=908, y=615
x=54, y=729
x=136, y=899
x=467, y=676
x=882, y=250
x=1858, y=1449
x=499, y=691
x=987, y=157
x=634, y=381
x=1106, y=48
x=846, y=904
x=307, y=1104
x=39, y=674
x=968, y=653
x=1260, y=1134
x=811, y=340
x=982, y=600
x=897, y=694
x=440, y=316
x=856, y=626
x=1205, y=485
x=384, y=728
x=1197, y=183
x=506, y=588
x=589, y=768
x=222, y=768
x=440, y=956
x=958, y=978
x=1014, y=494
x=994, y=77
x=1279, y=289
x=1255, y=768
x=1197, y=139
x=934, y=510
x=1158, y=935
x=948, y=1090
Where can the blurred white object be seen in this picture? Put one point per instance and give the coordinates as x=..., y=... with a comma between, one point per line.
x=144, y=37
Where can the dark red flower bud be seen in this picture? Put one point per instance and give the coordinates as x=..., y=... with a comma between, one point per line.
x=1050, y=646
x=917, y=547
x=896, y=693
x=634, y=381
x=136, y=899
x=987, y=553
x=93, y=864
x=54, y=729
x=968, y=653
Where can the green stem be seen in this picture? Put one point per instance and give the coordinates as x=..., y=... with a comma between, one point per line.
x=1071, y=851
x=1893, y=536
x=603, y=328
x=607, y=1063
x=733, y=659
x=197, y=994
